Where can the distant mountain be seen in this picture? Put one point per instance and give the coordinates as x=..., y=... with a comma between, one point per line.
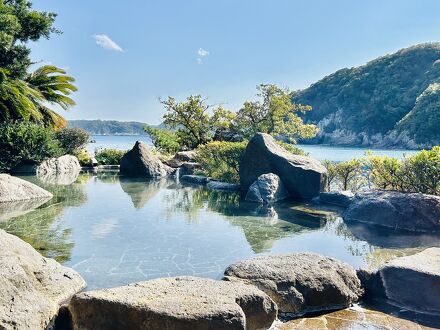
x=392, y=101
x=109, y=127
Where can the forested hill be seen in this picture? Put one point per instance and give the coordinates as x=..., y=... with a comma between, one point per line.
x=392, y=101
x=109, y=127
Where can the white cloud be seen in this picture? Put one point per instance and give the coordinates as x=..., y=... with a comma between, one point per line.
x=105, y=42
x=201, y=54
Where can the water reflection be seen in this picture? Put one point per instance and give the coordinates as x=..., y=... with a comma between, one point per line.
x=39, y=227
x=116, y=230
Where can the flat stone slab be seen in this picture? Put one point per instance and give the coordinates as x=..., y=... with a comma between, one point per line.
x=31, y=287
x=413, y=282
x=196, y=179
x=13, y=189
x=174, y=303
x=300, y=283
x=225, y=186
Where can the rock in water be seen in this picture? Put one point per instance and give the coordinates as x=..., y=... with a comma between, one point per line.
x=66, y=164
x=300, y=283
x=267, y=189
x=338, y=198
x=31, y=287
x=303, y=177
x=177, y=303
x=13, y=189
x=397, y=210
x=140, y=162
x=181, y=158
x=413, y=282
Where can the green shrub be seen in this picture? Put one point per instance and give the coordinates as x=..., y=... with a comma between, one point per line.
x=26, y=142
x=346, y=175
x=165, y=141
x=83, y=156
x=109, y=156
x=416, y=173
x=72, y=139
x=221, y=160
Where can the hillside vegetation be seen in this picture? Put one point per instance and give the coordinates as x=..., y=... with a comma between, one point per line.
x=392, y=101
x=109, y=127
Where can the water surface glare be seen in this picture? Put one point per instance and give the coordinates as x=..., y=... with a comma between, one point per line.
x=115, y=230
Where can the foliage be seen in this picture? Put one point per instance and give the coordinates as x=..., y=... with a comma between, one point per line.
x=109, y=156
x=416, y=173
x=346, y=175
x=72, y=139
x=55, y=87
x=83, y=156
x=291, y=148
x=389, y=94
x=191, y=120
x=19, y=24
x=164, y=140
x=25, y=96
x=221, y=160
x=274, y=114
x=26, y=142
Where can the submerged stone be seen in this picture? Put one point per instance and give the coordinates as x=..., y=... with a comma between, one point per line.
x=176, y=303
x=338, y=198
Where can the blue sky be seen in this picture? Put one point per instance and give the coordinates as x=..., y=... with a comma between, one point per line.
x=127, y=54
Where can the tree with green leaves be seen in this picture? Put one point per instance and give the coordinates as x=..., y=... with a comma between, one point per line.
x=274, y=114
x=19, y=24
x=25, y=96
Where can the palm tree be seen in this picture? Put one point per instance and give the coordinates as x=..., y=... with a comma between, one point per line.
x=55, y=86
x=18, y=100
x=28, y=99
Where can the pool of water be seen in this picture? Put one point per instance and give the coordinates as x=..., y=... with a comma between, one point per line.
x=114, y=230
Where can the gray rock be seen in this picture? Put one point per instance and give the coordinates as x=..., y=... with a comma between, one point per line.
x=302, y=176
x=338, y=198
x=267, y=189
x=140, y=162
x=222, y=135
x=218, y=185
x=407, y=211
x=196, y=179
x=300, y=283
x=181, y=158
x=31, y=287
x=174, y=303
x=413, y=282
x=13, y=189
x=66, y=164
x=188, y=169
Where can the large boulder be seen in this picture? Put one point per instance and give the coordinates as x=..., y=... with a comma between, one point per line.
x=174, y=303
x=303, y=177
x=267, y=189
x=397, y=210
x=13, y=189
x=411, y=282
x=300, y=283
x=66, y=164
x=140, y=162
x=31, y=287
